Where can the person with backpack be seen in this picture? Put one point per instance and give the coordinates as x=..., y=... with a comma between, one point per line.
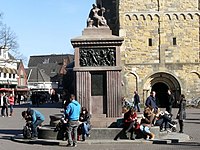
x=36, y=119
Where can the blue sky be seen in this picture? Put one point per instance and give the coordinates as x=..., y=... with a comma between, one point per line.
x=45, y=26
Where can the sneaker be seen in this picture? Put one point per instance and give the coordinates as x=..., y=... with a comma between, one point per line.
x=162, y=130
x=75, y=145
x=33, y=138
x=88, y=135
x=132, y=138
x=69, y=145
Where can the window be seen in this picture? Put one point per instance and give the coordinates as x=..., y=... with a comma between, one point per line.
x=4, y=75
x=13, y=76
x=10, y=75
x=174, y=41
x=46, y=61
x=150, y=42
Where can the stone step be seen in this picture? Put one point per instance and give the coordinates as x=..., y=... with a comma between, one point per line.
x=103, y=122
x=97, y=122
x=48, y=132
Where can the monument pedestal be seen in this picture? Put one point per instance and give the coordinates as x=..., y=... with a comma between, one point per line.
x=98, y=71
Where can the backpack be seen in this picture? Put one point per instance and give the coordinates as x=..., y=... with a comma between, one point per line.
x=27, y=132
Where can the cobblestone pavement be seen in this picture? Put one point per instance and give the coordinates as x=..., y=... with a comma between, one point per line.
x=10, y=126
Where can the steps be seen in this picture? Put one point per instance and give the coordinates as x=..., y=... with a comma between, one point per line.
x=48, y=132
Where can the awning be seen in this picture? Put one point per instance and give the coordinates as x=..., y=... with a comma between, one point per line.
x=8, y=70
x=22, y=89
x=6, y=89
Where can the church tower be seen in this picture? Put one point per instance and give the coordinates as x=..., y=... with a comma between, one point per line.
x=161, y=48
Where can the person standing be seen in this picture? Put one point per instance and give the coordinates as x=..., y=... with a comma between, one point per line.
x=181, y=112
x=5, y=105
x=170, y=103
x=72, y=114
x=11, y=101
x=54, y=97
x=151, y=102
x=136, y=101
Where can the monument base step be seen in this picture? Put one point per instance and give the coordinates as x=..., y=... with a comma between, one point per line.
x=48, y=132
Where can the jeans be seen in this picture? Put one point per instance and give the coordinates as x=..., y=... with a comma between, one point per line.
x=145, y=129
x=3, y=109
x=11, y=109
x=85, y=129
x=37, y=123
x=72, y=128
x=137, y=107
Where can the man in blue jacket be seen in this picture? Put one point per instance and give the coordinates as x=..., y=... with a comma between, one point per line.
x=151, y=102
x=36, y=119
x=72, y=114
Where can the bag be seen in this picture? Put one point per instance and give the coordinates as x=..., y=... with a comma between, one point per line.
x=27, y=132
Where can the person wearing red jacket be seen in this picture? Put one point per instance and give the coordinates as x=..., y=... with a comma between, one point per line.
x=11, y=101
x=130, y=121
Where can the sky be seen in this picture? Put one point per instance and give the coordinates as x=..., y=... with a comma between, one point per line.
x=45, y=27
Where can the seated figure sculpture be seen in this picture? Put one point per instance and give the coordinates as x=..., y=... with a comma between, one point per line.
x=96, y=17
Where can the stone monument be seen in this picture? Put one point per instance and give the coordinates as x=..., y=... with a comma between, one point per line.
x=97, y=67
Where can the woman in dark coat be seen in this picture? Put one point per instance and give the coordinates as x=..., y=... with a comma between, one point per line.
x=181, y=112
x=84, y=123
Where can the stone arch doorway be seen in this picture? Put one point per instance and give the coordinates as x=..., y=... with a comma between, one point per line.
x=160, y=83
x=161, y=93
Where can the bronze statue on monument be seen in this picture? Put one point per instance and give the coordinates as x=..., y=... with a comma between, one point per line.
x=96, y=17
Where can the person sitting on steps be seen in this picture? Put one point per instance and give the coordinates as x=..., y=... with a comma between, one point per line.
x=84, y=121
x=147, y=122
x=130, y=121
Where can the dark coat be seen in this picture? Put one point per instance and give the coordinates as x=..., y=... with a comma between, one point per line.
x=85, y=118
x=136, y=99
x=171, y=99
x=182, y=110
x=151, y=102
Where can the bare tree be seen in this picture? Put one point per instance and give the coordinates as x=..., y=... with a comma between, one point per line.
x=8, y=40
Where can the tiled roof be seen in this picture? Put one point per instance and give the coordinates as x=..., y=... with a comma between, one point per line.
x=51, y=69
x=37, y=75
x=45, y=59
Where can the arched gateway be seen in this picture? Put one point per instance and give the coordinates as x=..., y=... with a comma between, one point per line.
x=160, y=83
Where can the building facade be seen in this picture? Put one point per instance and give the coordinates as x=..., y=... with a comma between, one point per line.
x=161, y=48
x=8, y=70
x=45, y=72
